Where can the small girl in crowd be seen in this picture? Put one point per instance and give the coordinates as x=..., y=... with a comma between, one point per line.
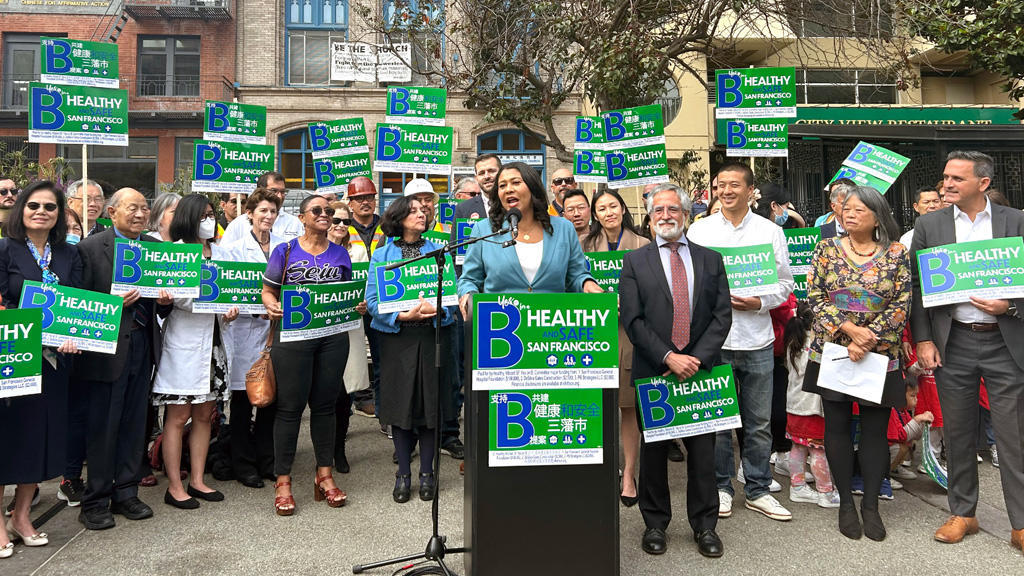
x=805, y=421
x=905, y=429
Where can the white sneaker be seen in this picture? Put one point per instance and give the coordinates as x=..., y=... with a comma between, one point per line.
x=828, y=499
x=775, y=486
x=724, y=504
x=995, y=456
x=895, y=484
x=809, y=478
x=774, y=457
x=770, y=507
x=781, y=466
x=804, y=494
x=903, y=473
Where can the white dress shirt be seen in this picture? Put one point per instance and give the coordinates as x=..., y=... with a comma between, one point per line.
x=530, y=257
x=968, y=231
x=666, y=264
x=751, y=329
x=907, y=239
x=286, y=226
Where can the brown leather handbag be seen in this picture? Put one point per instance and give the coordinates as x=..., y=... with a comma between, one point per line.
x=260, y=383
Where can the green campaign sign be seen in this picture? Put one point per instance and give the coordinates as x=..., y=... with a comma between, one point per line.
x=416, y=105
x=225, y=285
x=800, y=286
x=704, y=403
x=606, y=267
x=531, y=341
x=461, y=231
x=757, y=137
x=756, y=93
x=21, y=352
x=801, y=243
x=412, y=148
x=545, y=428
x=751, y=269
x=333, y=174
x=630, y=127
x=446, y=214
x=588, y=153
x=318, y=310
x=337, y=138
x=90, y=319
x=985, y=268
x=226, y=167
x=77, y=115
x=234, y=122
x=360, y=271
x=637, y=166
x=870, y=165
x=78, y=62
x=400, y=289
x=154, y=266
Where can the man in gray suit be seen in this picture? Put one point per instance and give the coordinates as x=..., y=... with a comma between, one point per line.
x=965, y=342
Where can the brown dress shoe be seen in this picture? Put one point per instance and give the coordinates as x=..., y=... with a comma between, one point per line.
x=956, y=528
x=1017, y=539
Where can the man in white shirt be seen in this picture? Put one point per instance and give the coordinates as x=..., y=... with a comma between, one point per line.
x=926, y=200
x=286, y=225
x=748, y=347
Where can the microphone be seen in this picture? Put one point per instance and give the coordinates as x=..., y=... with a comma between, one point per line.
x=513, y=216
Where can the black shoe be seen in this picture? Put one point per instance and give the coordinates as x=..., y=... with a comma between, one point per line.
x=132, y=509
x=454, y=448
x=873, y=527
x=269, y=475
x=403, y=488
x=96, y=518
x=849, y=522
x=186, y=504
x=629, y=501
x=708, y=543
x=71, y=491
x=214, y=496
x=654, y=541
x=428, y=488
x=250, y=480
x=675, y=454
x=341, y=462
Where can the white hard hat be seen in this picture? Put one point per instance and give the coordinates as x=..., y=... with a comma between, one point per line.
x=420, y=186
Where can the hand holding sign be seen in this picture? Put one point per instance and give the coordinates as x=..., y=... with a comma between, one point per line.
x=682, y=365
x=749, y=304
x=68, y=347
x=422, y=311
x=991, y=307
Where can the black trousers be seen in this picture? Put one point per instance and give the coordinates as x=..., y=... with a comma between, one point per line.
x=78, y=427
x=701, y=486
x=780, y=382
x=117, y=428
x=342, y=417
x=252, y=439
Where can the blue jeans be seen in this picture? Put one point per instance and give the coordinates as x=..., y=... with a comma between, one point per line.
x=753, y=370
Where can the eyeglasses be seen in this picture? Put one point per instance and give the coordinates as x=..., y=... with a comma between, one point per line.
x=316, y=211
x=277, y=190
x=575, y=209
x=340, y=221
x=8, y=191
x=48, y=206
x=367, y=199
x=209, y=214
x=560, y=181
x=673, y=210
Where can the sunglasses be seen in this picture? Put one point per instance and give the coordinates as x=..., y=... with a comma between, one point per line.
x=8, y=191
x=49, y=206
x=316, y=211
x=560, y=181
x=345, y=221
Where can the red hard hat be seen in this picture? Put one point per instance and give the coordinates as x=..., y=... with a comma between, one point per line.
x=361, y=186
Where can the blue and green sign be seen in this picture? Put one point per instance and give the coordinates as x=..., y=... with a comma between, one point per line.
x=545, y=428
x=78, y=62
x=954, y=273
x=313, y=311
x=227, y=167
x=704, y=403
x=234, y=122
x=77, y=115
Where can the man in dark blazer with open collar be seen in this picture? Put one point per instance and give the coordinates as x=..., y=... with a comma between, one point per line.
x=650, y=293
x=118, y=385
x=965, y=342
x=485, y=169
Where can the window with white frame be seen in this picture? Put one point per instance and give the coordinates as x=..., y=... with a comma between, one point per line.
x=310, y=27
x=819, y=86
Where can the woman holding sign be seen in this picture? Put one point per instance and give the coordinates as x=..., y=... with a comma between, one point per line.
x=859, y=289
x=408, y=381
x=192, y=372
x=252, y=441
x=307, y=371
x=613, y=230
x=33, y=427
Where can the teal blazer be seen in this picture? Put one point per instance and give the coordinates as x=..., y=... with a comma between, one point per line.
x=491, y=269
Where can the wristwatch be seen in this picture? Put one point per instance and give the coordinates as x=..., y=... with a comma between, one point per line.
x=1012, y=310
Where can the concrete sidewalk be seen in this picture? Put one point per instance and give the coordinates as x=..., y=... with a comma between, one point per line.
x=243, y=535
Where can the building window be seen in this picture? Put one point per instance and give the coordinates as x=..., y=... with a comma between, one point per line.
x=184, y=149
x=513, y=146
x=428, y=48
x=114, y=167
x=845, y=87
x=310, y=27
x=168, y=66
x=296, y=160
x=827, y=19
x=20, y=66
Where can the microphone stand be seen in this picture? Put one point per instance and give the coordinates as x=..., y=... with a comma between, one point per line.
x=436, y=549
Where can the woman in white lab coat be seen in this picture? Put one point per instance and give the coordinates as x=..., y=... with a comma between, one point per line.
x=252, y=441
x=192, y=374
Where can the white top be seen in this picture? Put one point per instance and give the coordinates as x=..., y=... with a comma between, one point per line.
x=666, y=263
x=967, y=231
x=286, y=226
x=530, y=256
x=907, y=239
x=751, y=330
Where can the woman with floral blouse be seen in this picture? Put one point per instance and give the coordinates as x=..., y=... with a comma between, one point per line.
x=859, y=289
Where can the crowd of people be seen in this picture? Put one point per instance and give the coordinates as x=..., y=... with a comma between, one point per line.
x=177, y=381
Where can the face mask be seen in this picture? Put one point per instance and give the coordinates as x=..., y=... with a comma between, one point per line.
x=781, y=219
x=207, y=228
x=72, y=239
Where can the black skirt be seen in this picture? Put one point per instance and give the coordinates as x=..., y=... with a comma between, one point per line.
x=408, y=379
x=894, y=391
x=33, y=430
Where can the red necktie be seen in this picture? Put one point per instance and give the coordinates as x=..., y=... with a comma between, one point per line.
x=680, y=298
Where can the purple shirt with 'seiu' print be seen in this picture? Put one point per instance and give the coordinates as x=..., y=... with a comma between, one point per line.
x=331, y=265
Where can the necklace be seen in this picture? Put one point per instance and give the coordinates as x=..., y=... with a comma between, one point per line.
x=858, y=253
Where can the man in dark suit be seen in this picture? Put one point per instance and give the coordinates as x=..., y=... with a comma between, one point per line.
x=676, y=309
x=486, y=168
x=118, y=385
x=965, y=342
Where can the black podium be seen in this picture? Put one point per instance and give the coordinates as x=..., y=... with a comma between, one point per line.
x=538, y=520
